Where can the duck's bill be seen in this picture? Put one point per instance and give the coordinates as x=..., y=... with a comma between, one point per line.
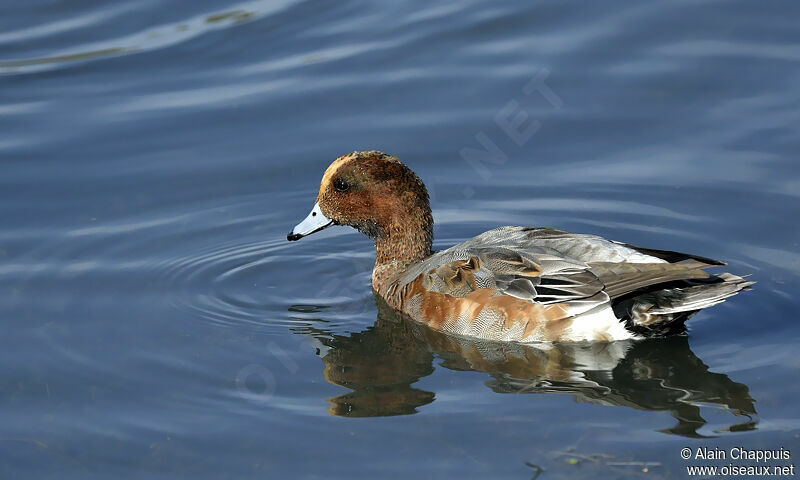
x=314, y=222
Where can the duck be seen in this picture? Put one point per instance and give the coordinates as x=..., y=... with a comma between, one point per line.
x=521, y=284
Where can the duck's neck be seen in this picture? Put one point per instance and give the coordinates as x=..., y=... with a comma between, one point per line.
x=403, y=241
x=403, y=247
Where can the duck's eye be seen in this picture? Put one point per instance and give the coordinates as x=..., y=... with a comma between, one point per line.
x=341, y=185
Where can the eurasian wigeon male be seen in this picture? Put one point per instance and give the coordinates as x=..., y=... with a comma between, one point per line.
x=524, y=284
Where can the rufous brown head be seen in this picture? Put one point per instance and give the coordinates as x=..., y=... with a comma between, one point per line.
x=376, y=194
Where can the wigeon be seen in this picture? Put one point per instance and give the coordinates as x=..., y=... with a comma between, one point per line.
x=523, y=284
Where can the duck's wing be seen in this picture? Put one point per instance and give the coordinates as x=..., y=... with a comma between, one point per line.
x=550, y=266
x=532, y=274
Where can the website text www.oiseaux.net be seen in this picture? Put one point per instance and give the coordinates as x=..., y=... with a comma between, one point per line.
x=741, y=462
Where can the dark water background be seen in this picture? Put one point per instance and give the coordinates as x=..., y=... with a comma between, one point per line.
x=156, y=324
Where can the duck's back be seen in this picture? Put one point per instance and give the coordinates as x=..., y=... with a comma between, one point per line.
x=538, y=284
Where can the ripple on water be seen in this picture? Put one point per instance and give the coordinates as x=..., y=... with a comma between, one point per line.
x=240, y=285
x=151, y=38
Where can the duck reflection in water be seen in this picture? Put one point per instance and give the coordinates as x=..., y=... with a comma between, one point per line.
x=381, y=363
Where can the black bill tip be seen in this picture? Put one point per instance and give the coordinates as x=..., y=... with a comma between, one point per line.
x=293, y=236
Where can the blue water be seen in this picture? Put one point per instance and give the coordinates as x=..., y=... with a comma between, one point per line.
x=156, y=323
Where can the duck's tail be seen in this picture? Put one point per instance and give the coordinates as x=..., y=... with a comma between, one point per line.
x=665, y=309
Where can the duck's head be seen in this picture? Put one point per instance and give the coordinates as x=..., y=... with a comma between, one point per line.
x=379, y=196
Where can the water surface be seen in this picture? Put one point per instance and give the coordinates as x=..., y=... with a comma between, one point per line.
x=156, y=323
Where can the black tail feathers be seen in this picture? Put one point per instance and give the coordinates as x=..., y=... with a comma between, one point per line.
x=664, y=308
